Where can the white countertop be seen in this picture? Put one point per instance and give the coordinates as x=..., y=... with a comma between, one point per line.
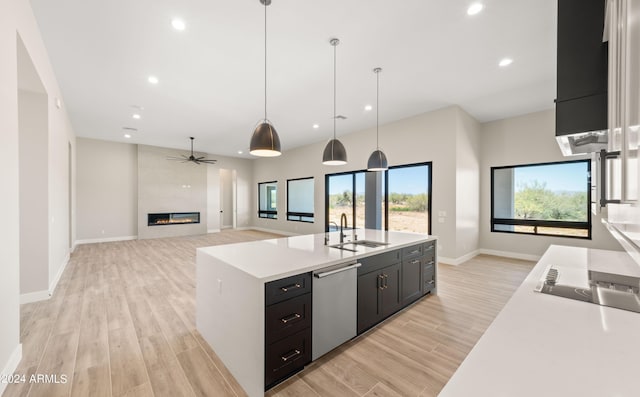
x=544, y=345
x=273, y=259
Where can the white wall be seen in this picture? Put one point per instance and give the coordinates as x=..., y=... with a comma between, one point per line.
x=34, y=204
x=524, y=140
x=427, y=137
x=107, y=177
x=467, y=216
x=16, y=17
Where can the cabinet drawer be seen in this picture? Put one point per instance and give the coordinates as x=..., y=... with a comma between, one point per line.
x=430, y=250
x=377, y=262
x=287, y=356
x=287, y=318
x=279, y=290
x=428, y=275
x=412, y=252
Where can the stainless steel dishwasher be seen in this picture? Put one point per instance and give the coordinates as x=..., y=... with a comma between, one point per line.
x=335, y=307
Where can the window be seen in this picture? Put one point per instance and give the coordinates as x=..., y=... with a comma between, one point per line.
x=363, y=197
x=549, y=199
x=268, y=200
x=300, y=200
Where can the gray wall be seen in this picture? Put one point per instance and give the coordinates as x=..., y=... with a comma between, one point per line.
x=107, y=174
x=522, y=140
x=34, y=192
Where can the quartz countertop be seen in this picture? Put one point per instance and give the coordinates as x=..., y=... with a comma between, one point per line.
x=544, y=345
x=273, y=259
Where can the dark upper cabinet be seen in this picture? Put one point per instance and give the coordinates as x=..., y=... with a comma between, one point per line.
x=582, y=67
x=582, y=56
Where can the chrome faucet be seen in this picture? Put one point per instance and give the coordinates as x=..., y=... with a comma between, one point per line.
x=343, y=217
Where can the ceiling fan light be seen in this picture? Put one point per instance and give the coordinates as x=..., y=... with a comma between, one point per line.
x=334, y=153
x=265, y=141
x=377, y=161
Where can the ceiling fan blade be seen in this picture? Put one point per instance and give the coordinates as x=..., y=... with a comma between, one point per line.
x=208, y=161
x=182, y=157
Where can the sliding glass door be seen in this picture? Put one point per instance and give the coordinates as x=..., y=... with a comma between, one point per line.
x=398, y=199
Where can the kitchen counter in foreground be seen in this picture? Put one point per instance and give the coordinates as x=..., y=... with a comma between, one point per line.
x=544, y=345
x=230, y=290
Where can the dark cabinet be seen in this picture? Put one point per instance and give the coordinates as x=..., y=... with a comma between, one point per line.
x=411, y=280
x=287, y=327
x=379, y=293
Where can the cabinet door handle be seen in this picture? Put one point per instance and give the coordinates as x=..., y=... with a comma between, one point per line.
x=292, y=354
x=413, y=262
x=290, y=287
x=292, y=317
x=381, y=281
x=431, y=263
x=386, y=281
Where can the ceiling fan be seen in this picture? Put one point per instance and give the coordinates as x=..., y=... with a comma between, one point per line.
x=192, y=158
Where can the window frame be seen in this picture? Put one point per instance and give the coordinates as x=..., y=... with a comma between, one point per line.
x=353, y=173
x=543, y=223
x=301, y=214
x=267, y=212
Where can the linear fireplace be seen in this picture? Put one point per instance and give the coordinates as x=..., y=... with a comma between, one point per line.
x=173, y=218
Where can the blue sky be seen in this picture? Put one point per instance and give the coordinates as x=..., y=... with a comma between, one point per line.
x=411, y=180
x=569, y=177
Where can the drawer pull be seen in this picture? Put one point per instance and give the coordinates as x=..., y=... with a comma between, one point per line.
x=292, y=354
x=432, y=282
x=430, y=248
x=415, y=261
x=290, y=287
x=414, y=252
x=431, y=263
x=292, y=317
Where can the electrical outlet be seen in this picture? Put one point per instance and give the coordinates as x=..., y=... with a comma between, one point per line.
x=442, y=213
x=441, y=220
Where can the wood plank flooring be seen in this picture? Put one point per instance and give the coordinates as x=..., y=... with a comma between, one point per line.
x=122, y=323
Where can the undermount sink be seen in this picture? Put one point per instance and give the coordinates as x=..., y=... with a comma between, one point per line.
x=354, y=244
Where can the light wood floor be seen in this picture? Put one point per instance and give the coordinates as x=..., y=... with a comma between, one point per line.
x=122, y=323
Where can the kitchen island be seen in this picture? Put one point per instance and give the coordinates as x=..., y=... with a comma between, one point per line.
x=545, y=345
x=234, y=285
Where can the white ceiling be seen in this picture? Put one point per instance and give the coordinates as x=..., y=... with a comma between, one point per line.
x=211, y=74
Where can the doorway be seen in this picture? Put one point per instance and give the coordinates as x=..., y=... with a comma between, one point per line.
x=228, y=199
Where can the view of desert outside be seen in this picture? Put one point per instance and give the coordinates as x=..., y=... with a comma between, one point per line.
x=408, y=199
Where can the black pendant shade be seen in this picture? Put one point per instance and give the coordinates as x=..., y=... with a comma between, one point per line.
x=377, y=161
x=334, y=153
x=265, y=141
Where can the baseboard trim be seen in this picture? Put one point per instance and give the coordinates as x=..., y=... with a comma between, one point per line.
x=226, y=227
x=512, y=255
x=105, y=240
x=11, y=366
x=459, y=260
x=213, y=231
x=54, y=283
x=36, y=296
x=266, y=230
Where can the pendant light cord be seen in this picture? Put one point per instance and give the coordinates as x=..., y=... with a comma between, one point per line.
x=334, y=91
x=377, y=109
x=265, y=60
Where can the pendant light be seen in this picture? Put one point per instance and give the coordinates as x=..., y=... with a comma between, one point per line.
x=377, y=160
x=334, y=152
x=265, y=141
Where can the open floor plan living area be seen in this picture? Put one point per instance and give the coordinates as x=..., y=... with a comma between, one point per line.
x=292, y=198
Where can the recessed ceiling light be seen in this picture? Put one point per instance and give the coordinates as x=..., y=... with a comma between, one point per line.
x=316, y=126
x=178, y=24
x=136, y=116
x=368, y=108
x=153, y=80
x=239, y=151
x=127, y=136
x=505, y=62
x=474, y=8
